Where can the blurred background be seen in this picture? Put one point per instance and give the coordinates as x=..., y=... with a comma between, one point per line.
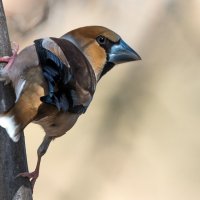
x=140, y=138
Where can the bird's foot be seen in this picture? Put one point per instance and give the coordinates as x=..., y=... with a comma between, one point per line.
x=32, y=176
x=10, y=59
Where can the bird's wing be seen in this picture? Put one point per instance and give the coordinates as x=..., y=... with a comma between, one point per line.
x=68, y=74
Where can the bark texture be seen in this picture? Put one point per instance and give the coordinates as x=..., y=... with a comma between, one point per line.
x=12, y=155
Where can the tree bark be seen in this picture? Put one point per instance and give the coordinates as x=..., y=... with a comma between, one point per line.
x=12, y=155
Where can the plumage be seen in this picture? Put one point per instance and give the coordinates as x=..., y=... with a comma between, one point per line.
x=55, y=80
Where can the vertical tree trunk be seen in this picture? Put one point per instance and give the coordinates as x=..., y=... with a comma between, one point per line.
x=12, y=155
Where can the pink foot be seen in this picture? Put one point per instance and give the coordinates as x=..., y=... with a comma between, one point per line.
x=10, y=59
x=32, y=176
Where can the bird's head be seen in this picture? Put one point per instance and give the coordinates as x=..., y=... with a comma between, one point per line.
x=102, y=47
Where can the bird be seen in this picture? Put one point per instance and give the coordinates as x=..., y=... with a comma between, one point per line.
x=55, y=79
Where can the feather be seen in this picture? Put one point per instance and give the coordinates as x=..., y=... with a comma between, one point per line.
x=68, y=79
x=19, y=88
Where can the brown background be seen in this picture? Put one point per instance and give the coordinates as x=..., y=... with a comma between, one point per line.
x=140, y=138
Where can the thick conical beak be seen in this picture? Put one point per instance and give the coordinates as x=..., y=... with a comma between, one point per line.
x=121, y=53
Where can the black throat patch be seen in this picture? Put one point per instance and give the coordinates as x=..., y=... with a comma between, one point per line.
x=107, y=47
x=108, y=66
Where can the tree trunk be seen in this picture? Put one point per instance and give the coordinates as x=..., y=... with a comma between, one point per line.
x=12, y=155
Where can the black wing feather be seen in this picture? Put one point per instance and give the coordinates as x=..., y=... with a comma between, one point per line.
x=66, y=83
x=57, y=75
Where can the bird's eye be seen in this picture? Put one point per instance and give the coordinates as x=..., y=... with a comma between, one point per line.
x=101, y=39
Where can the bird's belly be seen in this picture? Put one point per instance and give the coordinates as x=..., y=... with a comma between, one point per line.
x=55, y=123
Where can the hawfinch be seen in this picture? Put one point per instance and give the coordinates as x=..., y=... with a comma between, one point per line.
x=55, y=80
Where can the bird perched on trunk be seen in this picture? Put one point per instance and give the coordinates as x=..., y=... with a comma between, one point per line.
x=55, y=80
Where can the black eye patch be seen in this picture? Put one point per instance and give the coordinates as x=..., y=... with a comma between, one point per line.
x=105, y=43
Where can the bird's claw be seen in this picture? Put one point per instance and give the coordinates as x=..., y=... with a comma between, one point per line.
x=10, y=59
x=32, y=176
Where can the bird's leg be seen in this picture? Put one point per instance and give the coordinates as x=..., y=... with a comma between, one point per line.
x=10, y=59
x=40, y=152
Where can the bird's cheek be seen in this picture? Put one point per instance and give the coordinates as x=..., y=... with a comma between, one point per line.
x=97, y=58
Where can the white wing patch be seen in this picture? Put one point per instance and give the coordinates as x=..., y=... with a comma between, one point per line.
x=9, y=123
x=18, y=88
